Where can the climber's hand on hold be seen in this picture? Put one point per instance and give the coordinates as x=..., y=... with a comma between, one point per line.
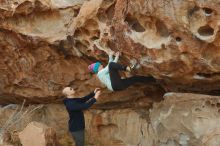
x=96, y=90
x=97, y=94
x=117, y=54
x=96, y=43
x=111, y=53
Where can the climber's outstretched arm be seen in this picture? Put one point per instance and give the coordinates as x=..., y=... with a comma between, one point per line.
x=117, y=54
x=108, y=51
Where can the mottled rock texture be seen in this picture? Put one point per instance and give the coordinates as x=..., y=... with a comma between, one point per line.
x=187, y=119
x=181, y=119
x=46, y=45
x=37, y=134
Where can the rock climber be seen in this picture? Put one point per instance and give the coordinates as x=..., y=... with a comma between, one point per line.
x=110, y=77
x=75, y=107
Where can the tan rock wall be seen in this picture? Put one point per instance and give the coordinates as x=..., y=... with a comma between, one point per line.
x=187, y=119
x=181, y=119
x=46, y=45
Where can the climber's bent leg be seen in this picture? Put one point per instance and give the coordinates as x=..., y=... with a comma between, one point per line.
x=116, y=66
x=115, y=77
x=137, y=79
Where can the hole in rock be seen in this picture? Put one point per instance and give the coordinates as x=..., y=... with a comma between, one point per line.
x=94, y=38
x=208, y=75
x=207, y=103
x=218, y=110
x=218, y=104
x=69, y=38
x=162, y=29
x=85, y=31
x=212, y=104
x=77, y=33
x=178, y=39
x=97, y=33
x=134, y=23
x=198, y=110
x=76, y=12
x=206, y=30
x=88, y=50
x=15, y=3
x=137, y=27
x=207, y=11
x=163, y=46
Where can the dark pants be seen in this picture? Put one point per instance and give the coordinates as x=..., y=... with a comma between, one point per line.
x=79, y=137
x=121, y=84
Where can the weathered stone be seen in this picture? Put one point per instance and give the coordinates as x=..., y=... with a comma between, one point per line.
x=37, y=134
x=47, y=45
x=187, y=119
x=181, y=119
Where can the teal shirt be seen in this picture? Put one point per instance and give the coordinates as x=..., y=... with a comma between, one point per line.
x=104, y=76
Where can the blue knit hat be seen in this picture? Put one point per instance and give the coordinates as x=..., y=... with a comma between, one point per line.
x=94, y=67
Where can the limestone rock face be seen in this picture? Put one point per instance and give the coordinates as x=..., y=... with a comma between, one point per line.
x=49, y=120
x=181, y=119
x=48, y=44
x=187, y=119
x=37, y=134
x=124, y=127
x=118, y=127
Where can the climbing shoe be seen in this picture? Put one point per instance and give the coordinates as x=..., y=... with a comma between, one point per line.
x=131, y=67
